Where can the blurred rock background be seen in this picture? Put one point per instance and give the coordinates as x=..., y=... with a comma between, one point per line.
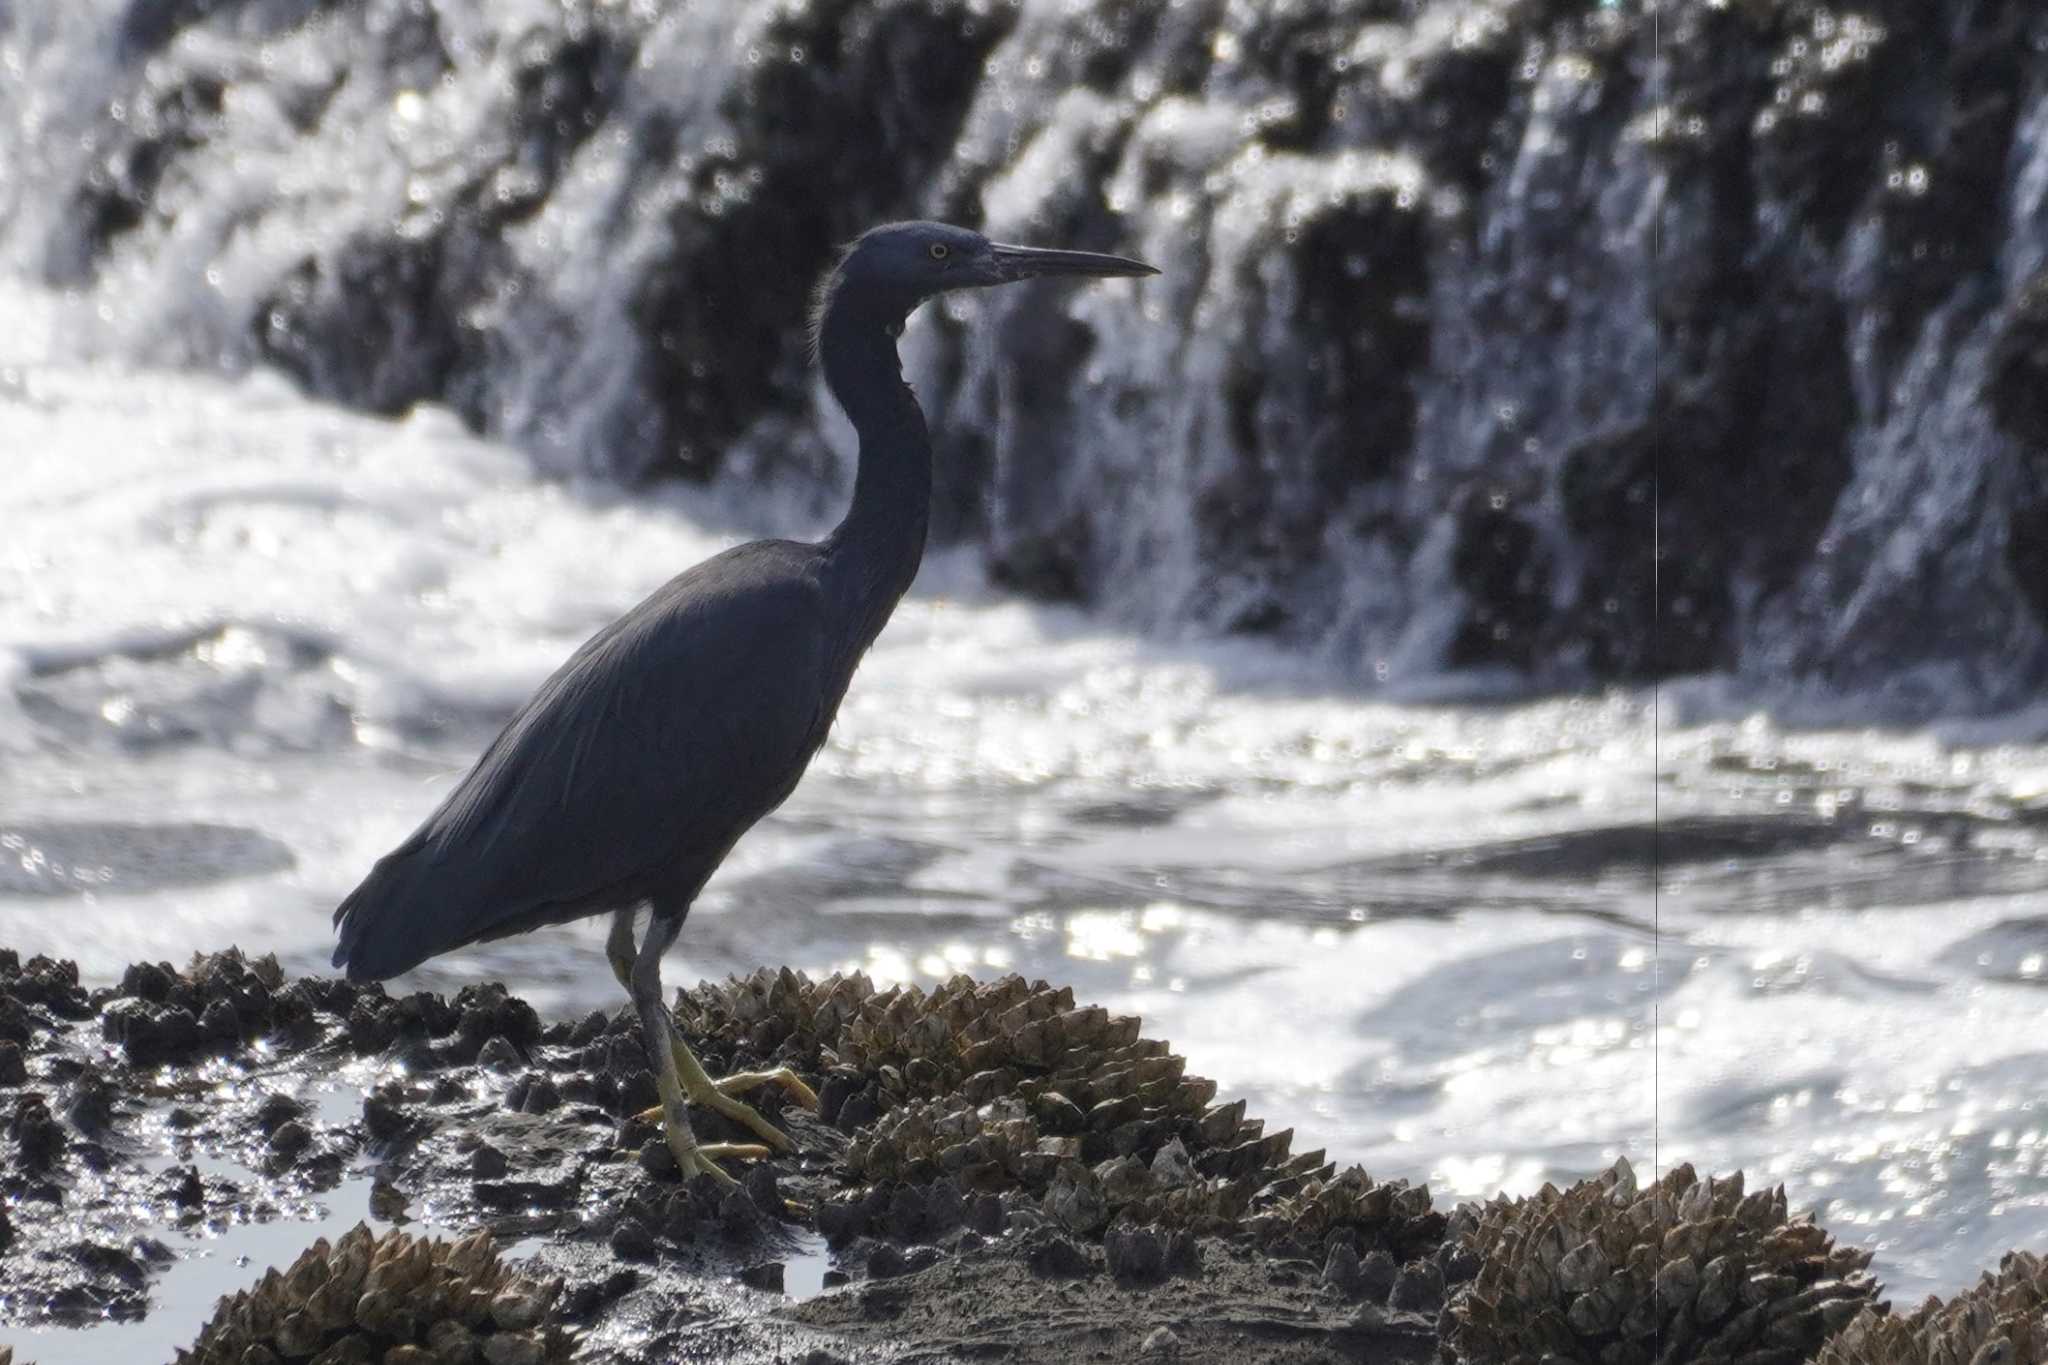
x=1546, y=341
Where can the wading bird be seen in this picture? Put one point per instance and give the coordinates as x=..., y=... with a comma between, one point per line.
x=630, y=774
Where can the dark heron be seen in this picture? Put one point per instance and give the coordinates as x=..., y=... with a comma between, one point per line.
x=630, y=774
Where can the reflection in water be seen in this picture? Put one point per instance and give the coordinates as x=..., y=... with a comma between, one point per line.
x=804, y=1268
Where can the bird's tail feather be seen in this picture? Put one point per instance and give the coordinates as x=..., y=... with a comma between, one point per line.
x=388, y=924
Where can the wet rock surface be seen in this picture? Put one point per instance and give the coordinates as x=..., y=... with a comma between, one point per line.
x=995, y=1171
x=1488, y=330
x=980, y=1139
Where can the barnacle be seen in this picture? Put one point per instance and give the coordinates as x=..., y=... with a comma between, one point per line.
x=394, y=1298
x=2002, y=1320
x=1689, y=1269
x=1007, y=1086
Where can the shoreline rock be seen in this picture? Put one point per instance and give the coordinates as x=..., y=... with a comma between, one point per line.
x=1469, y=308
x=995, y=1170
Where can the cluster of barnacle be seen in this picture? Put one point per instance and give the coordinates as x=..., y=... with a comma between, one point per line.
x=2003, y=1319
x=770, y=1013
x=398, y=1299
x=219, y=1001
x=1289, y=1206
x=1010, y=1086
x=1387, y=1214
x=39, y=1140
x=964, y=1028
x=966, y=1039
x=36, y=997
x=920, y=1042
x=1687, y=1269
x=1006, y=1126
x=222, y=1000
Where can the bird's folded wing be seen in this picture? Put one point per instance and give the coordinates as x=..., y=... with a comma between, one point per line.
x=654, y=747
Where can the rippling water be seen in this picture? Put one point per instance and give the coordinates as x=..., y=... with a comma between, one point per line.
x=247, y=641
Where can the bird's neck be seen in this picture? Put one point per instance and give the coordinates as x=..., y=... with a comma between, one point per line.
x=873, y=554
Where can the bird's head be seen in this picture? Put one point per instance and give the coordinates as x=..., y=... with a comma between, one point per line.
x=900, y=265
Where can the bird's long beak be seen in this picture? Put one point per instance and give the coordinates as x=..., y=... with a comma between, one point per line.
x=1030, y=262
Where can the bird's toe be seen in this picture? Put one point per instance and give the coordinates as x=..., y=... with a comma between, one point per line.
x=749, y=1118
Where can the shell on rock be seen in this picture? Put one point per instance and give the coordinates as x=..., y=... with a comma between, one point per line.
x=384, y=1298
x=1688, y=1269
x=2002, y=1320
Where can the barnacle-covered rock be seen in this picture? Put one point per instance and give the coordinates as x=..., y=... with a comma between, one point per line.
x=979, y=1088
x=914, y=1042
x=1384, y=1215
x=1689, y=1269
x=2002, y=1320
x=39, y=1140
x=43, y=988
x=394, y=1297
x=220, y=1001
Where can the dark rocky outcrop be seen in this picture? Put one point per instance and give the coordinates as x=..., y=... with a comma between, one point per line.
x=1525, y=337
x=996, y=1172
x=991, y=1130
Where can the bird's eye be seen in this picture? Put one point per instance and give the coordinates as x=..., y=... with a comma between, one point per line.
x=940, y=251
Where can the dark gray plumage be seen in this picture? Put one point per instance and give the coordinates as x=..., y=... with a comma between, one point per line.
x=630, y=772
x=634, y=769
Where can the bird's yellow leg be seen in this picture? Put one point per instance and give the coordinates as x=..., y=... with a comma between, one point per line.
x=698, y=1088
x=693, y=1157
x=619, y=949
x=718, y=1095
x=643, y=983
x=739, y=1082
x=696, y=1085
